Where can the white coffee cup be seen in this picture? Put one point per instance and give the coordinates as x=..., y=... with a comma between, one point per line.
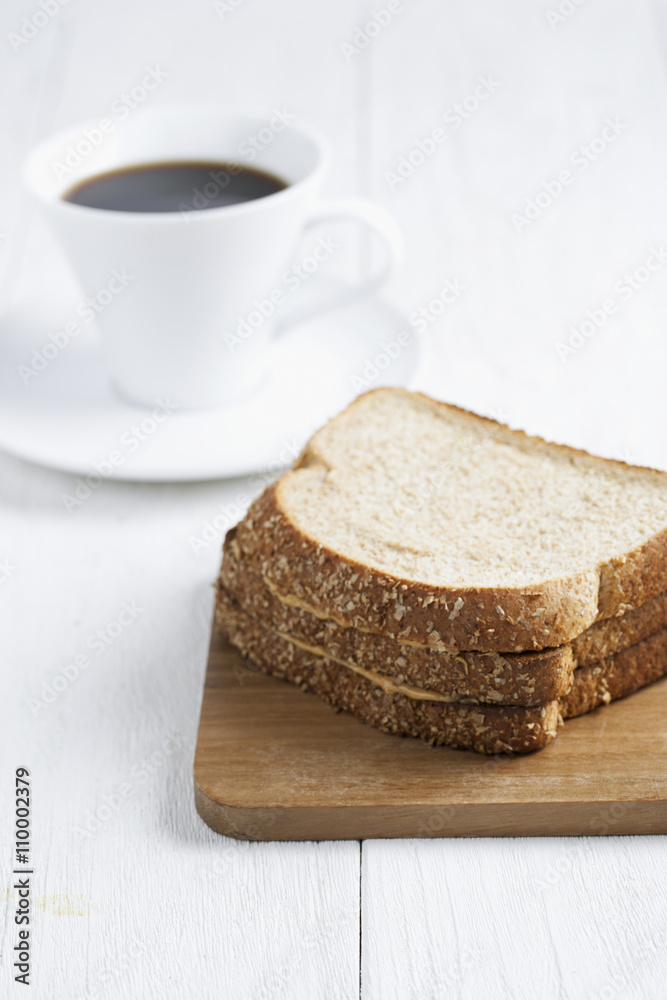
x=172, y=286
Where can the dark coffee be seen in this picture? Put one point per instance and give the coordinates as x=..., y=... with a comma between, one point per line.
x=174, y=187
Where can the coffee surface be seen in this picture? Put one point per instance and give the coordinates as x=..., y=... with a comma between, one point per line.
x=174, y=187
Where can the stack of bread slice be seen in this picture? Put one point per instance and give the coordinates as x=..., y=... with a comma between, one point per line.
x=439, y=575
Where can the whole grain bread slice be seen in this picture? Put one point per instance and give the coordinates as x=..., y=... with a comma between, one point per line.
x=611, y=635
x=395, y=708
x=531, y=678
x=514, y=679
x=616, y=676
x=484, y=728
x=413, y=518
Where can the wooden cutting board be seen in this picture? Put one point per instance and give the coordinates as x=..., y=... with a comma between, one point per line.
x=274, y=763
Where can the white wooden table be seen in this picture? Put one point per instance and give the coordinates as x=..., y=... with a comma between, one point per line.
x=132, y=895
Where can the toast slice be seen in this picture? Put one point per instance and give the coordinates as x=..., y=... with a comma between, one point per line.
x=409, y=517
x=400, y=709
x=531, y=678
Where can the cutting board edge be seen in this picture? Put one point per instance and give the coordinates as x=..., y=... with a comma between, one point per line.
x=536, y=819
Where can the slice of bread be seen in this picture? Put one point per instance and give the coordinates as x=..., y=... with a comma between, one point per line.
x=417, y=519
x=531, y=678
x=397, y=709
x=611, y=635
x=512, y=679
x=616, y=676
x=485, y=728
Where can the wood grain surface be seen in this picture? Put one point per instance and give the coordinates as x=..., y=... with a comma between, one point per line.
x=441, y=919
x=273, y=763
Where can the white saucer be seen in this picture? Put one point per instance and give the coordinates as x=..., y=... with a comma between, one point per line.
x=68, y=416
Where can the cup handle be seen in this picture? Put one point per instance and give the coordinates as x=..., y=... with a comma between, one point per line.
x=374, y=217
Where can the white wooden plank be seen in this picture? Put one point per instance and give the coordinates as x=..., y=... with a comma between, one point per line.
x=580, y=918
x=138, y=894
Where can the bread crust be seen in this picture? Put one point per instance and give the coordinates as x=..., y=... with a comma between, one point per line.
x=631, y=580
x=503, y=678
x=611, y=635
x=485, y=619
x=484, y=728
x=475, y=619
x=482, y=620
x=493, y=678
x=616, y=676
